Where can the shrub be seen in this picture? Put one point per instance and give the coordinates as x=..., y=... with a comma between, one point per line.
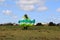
x=51, y=24
x=39, y=24
x=58, y=24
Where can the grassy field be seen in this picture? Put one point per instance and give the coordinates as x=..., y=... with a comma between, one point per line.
x=32, y=33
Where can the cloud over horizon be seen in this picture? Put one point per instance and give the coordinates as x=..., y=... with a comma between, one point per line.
x=58, y=10
x=2, y=0
x=29, y=5
x=10, y=13
x=7, y=12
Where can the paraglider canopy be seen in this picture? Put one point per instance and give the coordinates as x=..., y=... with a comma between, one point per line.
x=26, y=21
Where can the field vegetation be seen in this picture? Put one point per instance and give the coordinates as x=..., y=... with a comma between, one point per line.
x=31, y=33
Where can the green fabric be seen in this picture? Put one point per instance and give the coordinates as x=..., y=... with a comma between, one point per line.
x=26, y=22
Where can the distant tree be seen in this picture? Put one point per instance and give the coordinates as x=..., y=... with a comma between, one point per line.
x=8, y=24
x=1, y=24
x=51, y=24
x=39, y=24
x=58, y=24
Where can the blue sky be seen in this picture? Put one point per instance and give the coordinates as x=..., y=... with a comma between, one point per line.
x=43, y=11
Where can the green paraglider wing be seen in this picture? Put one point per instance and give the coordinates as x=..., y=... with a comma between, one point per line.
x=26, y=21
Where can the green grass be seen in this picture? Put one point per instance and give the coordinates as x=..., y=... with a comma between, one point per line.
x=32, y=33
x=54, y=28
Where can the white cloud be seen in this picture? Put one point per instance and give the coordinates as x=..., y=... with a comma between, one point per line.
x=42, y=8
x=27, y=1
x=2, y=0
x=7, y=12
x=29, y=5
x=58, y=10
x=14, y=17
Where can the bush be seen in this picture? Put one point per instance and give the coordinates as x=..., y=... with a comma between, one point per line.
x=39, y=24
x=51, y=24
x=58, y=24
